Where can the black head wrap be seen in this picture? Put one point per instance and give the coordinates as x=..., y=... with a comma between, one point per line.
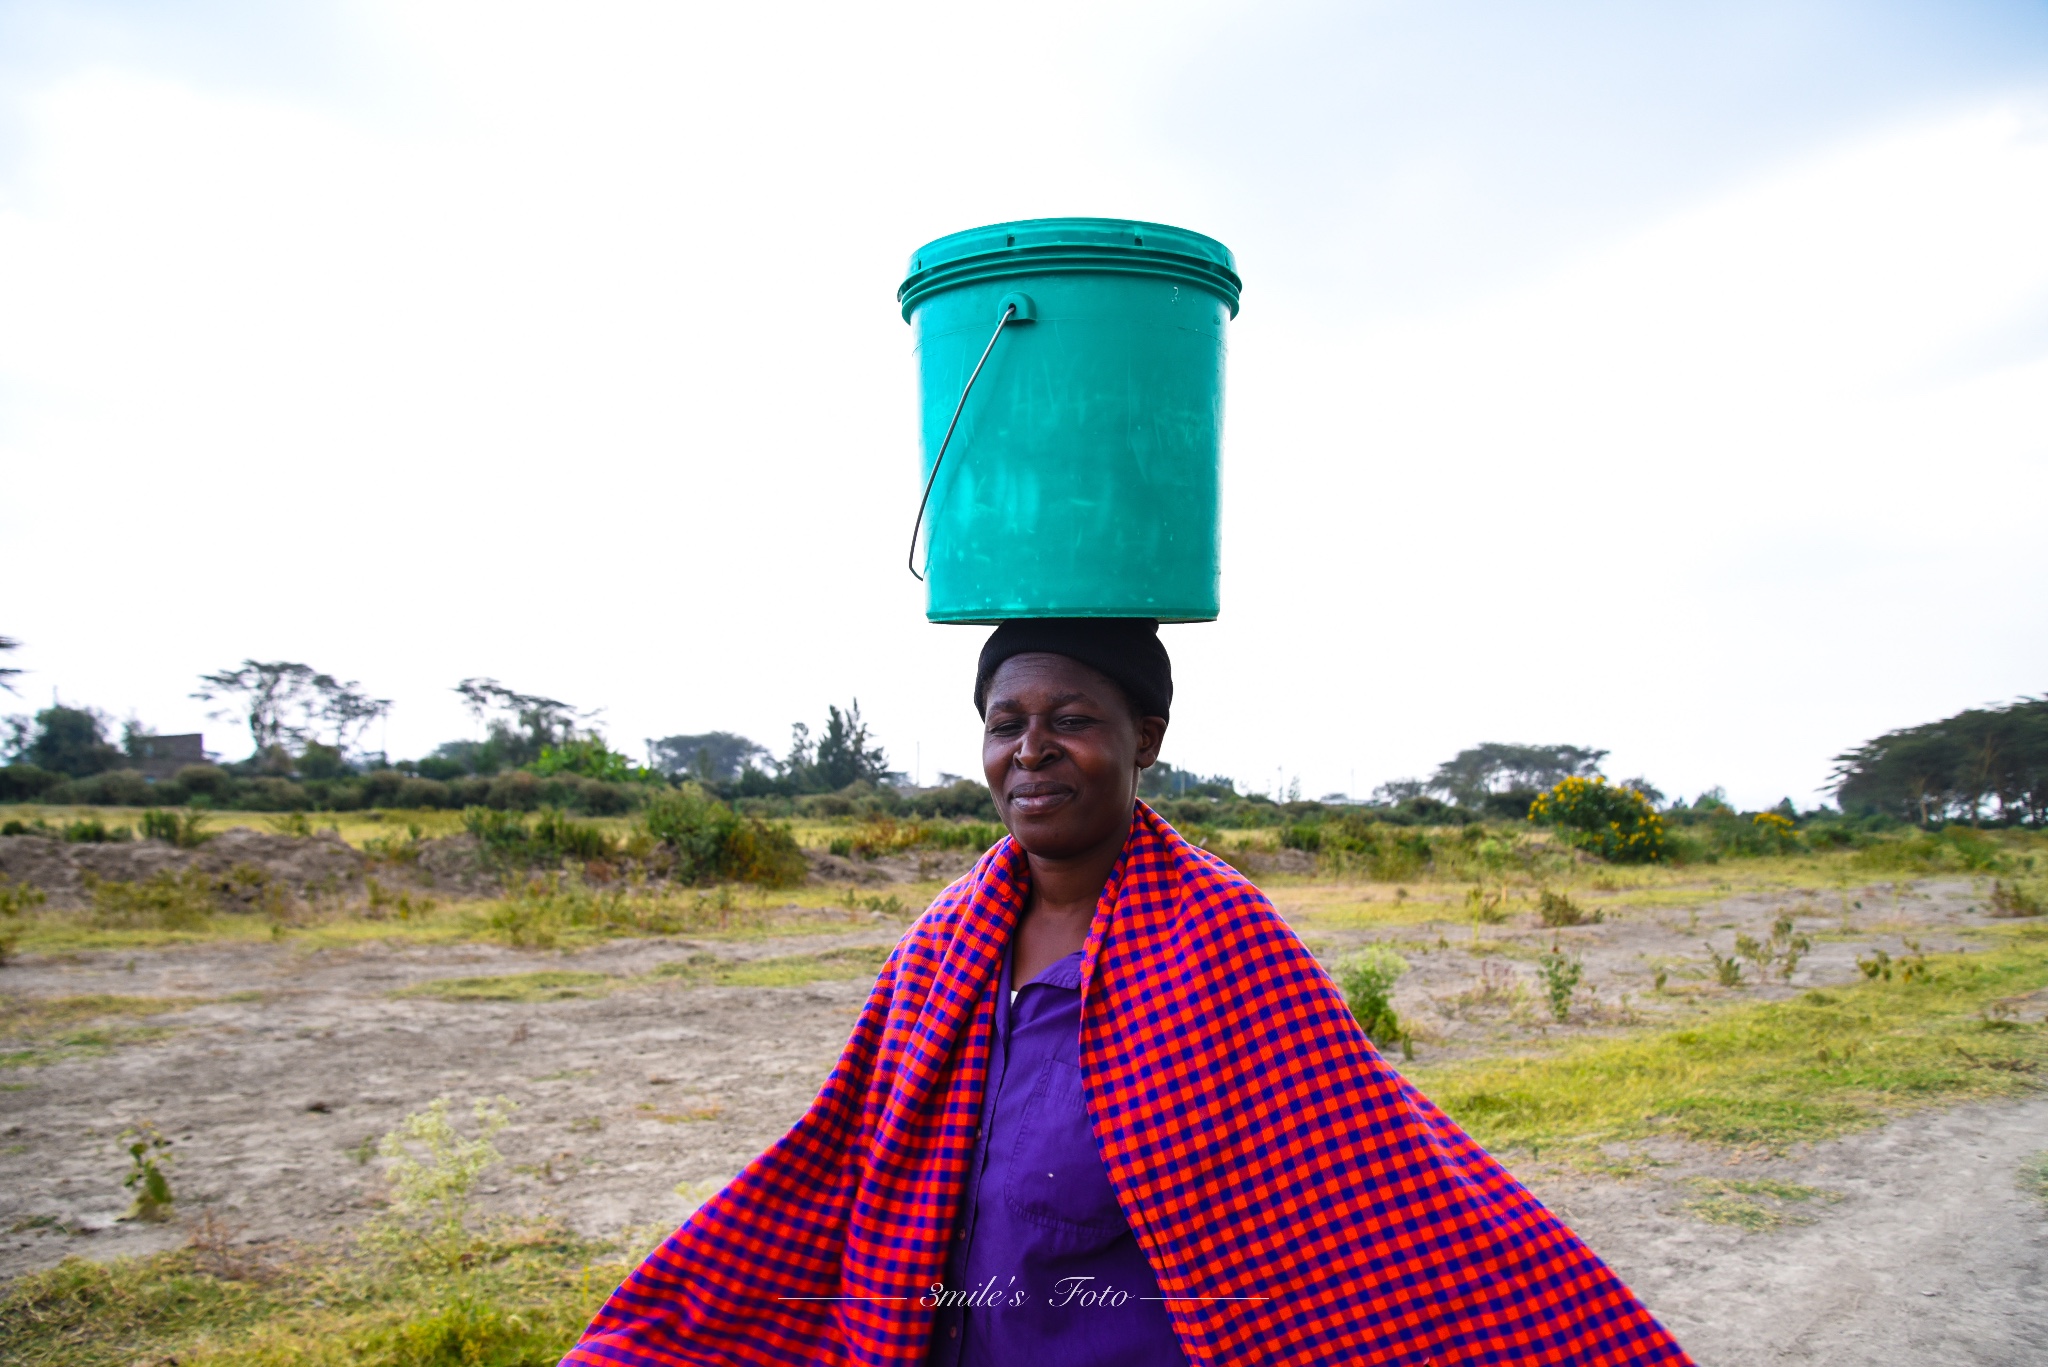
x=1127, y=649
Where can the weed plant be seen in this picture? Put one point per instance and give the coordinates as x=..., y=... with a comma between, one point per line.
x=1367, y=980
x=1555, y=909
x=433, y=1168
x=15, y=898
x=1561, y=974
x=148, y=1153
x=2018, y=898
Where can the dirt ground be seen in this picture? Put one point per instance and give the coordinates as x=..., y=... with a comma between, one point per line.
x=280, y=1066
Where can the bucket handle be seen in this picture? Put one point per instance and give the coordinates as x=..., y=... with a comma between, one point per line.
x=1017, y=308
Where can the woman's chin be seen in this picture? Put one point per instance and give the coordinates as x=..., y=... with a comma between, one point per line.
x=1055, y=836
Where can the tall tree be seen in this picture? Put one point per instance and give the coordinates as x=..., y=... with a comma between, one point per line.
x=1986, y=762
x=1472, y=776
x=73, y=741
x=288, y=704
x=9, y=673
x=715, y=755
x=843, y=754
x=518, y=725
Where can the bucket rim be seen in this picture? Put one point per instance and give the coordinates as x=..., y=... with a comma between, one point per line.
x=1033, y=246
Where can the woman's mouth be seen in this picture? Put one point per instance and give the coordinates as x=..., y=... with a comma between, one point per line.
x=1034, y=799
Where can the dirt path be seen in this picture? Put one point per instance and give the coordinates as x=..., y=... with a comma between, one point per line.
x=272, y=1099
x=279, y=1067
x=1922, y=1248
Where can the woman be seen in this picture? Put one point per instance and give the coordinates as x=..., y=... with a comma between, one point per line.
x=1104, y=1107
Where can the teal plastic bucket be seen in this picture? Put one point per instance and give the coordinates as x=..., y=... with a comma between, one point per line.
x=1081, y=471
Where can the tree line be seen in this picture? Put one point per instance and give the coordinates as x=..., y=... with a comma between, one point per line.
x=306, y=730
x=1983, y=765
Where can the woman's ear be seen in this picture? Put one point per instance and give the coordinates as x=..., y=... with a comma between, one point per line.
x=1151, y=735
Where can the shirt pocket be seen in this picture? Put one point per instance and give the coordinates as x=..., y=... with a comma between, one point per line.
x=1056, y=1177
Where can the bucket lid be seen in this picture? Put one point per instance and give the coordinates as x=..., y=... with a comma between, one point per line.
x=1035, y=245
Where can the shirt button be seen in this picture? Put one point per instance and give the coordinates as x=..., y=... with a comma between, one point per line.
x=954, y=1332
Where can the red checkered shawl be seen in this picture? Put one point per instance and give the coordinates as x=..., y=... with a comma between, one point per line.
x=1260, y=1147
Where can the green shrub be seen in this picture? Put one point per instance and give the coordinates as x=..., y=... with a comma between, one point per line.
x=1953, y=849
x=163, y=901
x=968, y=835
x=1304, y=836
x=706, y=840
x=1618, y=824
x=114, y=788
x=1556, y=909
x=416, y=793
x=175, y=828
x=560, y=837
x=962, y=798
x=589, y=757
x=207, y=780
x=1367, y=980
x=26, y=782
x=514, y=792
x=15, y=898
x=882, y=835
x=93, y=831
x=2018, y=898
x=1351, y=843
x=553, y=836
x=271, y=794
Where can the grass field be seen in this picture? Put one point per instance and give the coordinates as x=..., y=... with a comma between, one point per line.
x=1773, y=1073
x=1757, y=1067
x=359, y=828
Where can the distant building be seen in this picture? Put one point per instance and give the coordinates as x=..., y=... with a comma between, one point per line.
x=164, y=756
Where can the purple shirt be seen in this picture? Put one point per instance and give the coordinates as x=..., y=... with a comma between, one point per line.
x=1045, y=1271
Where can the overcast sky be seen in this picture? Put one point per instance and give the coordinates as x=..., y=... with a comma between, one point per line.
x=1666, y=378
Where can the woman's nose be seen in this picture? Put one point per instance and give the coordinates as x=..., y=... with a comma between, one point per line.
x=1037, y=746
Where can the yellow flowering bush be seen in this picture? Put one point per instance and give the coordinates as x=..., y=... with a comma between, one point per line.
x=1618, y=824
x=1775, y=834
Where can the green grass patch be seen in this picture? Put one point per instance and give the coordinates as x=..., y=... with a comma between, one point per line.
x=520, y=1303
x=2033, y=1177
x=79, y=1044
x=698, y=970
x=1753, y=1205
x=790, y=970
x=34, y=1015
x=36, y=1031
x=1770, y=1074
x=549, y=986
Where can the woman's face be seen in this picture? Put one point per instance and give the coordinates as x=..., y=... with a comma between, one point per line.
x=1062, y=752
